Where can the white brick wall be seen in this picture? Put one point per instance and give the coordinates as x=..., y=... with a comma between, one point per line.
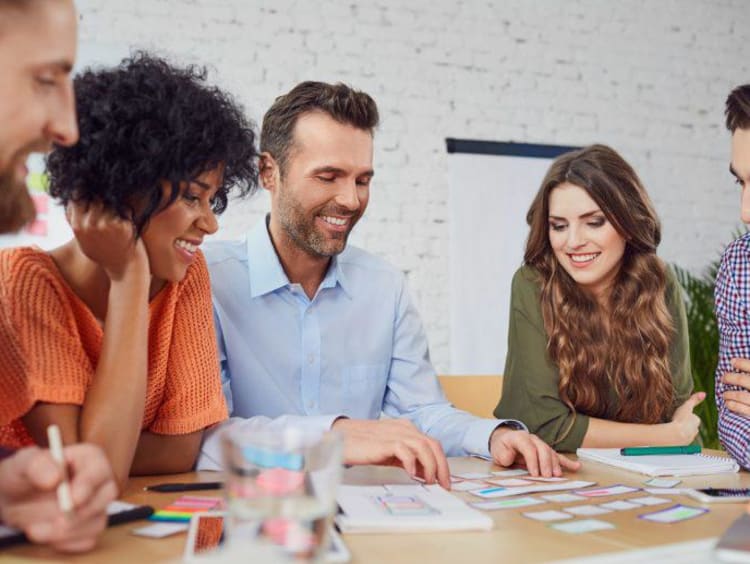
x=648, y=77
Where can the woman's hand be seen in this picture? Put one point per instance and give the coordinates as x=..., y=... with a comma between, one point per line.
x=685, y=423
x=108, y=240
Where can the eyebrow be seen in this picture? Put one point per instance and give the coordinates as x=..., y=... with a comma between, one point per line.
x=734, y=172
x=582, y=216
x=336, y=170
x=61, y=65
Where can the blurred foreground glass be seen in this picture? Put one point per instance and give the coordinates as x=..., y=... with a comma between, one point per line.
x=281, y=489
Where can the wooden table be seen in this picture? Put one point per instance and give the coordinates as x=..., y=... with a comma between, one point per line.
x=514, y=538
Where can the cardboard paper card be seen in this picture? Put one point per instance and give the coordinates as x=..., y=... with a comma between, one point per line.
x=674, y=514
x=467, y=486
x=563, y=498
x=665, y=491
x=510, y=473
x=587, y=510
x=512, y=503
x=550, y=515
x=582, y=526
x=611, y=490
x=649, y=500
x=662, y=482
x=472, y=475
x=511, y=482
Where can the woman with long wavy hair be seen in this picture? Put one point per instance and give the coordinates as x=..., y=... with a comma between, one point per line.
x=598, y=351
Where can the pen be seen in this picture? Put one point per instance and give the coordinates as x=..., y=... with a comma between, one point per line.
x=643, y=451
x=185, y=487
x=54, y=440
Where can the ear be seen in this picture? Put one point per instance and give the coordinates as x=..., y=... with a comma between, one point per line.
x=268, y=172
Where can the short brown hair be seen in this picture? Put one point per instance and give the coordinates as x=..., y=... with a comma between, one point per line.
x=341, y=102
x=737, y=109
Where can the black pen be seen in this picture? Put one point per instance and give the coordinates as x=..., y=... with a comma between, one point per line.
x=185, y=487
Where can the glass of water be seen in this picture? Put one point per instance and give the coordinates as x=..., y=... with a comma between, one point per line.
x=281, y=489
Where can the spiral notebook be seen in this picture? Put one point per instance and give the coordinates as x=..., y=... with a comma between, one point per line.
x=661, y=465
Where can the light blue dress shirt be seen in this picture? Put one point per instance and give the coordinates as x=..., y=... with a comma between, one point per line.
x=356, y=349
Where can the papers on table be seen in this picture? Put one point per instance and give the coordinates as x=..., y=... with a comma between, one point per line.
x=661, y=465
x=500, y=491
x=405, y=508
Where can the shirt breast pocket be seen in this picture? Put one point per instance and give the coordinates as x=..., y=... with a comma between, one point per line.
x=364, y=389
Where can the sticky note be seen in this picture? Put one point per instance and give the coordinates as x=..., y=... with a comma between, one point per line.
x=563, y=498
x=587, y=510
x=506, y=503
x=543, y=479
x=662, y=482
x=648, y=500
x=620, y=505
x=551, y=515
x=510, y=473
x=510, y=482
x=611, y=490
x=472, y=475
x=467, y=486
x=582, y=526
x=674, y=514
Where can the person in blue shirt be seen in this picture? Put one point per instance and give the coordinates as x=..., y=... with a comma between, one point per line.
x=319, y=334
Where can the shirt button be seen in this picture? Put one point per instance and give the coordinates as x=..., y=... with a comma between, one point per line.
x=310, y=358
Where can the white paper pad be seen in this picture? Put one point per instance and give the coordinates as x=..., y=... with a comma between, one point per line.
x=405, y=508
x=662, y=482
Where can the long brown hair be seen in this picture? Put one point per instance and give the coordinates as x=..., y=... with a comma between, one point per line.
x=630, y=352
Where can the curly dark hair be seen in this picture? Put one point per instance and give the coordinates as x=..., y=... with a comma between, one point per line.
x=144, y=122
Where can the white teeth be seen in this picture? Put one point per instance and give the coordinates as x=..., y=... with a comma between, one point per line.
x=334, y=220
x=583, y=258
x=189, y=247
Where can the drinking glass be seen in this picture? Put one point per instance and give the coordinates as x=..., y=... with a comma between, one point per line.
x=281, y=489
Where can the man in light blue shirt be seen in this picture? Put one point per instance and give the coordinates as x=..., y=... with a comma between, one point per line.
x=317, y=334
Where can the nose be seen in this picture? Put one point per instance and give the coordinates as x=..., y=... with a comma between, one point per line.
x=207, y=222
x=62, y=128
x=575, y=237
x=347, y=196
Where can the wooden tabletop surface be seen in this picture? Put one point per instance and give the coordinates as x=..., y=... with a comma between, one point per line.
x=514, y=538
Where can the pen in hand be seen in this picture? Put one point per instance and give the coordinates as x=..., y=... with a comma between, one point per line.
x=54, y=441
x=184, y=487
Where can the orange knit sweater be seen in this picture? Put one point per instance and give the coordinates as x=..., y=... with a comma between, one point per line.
x=50, y=344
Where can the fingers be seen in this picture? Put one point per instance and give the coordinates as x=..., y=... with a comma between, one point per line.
x=741, y=364
x=545, y=458
x=568, y=464
x=737, y=406
x=29, y=471
x=89, y=471
x=521, y=442
x=735, y=379
x=693, y=400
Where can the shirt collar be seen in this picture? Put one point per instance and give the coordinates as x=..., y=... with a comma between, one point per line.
x=265, y=270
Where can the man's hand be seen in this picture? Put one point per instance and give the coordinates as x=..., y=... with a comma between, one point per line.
x=738, y=400
x=28, y=499
x=510, y=447
x=394, y=442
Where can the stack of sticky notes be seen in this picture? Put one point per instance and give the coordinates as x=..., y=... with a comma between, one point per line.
x=182, y=509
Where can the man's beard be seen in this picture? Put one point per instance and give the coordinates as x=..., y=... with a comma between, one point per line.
x=16, y=206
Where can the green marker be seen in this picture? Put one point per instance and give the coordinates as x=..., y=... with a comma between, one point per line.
x=644, y=451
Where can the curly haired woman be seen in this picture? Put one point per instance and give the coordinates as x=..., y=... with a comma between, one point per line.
x=598, y=350
x=113, y=331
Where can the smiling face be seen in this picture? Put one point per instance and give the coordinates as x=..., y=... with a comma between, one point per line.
x=324, y=189
x=172, y=236
x=37, y=109
x=584, y=242
x=740, y=168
